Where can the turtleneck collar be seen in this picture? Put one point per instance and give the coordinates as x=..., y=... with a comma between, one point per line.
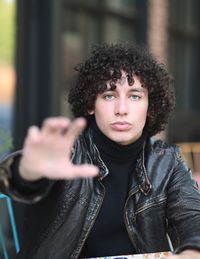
x=113, y=151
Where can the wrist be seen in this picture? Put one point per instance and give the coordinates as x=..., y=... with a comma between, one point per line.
x=26, y=174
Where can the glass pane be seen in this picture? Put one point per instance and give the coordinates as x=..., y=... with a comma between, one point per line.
x=7, y=72
x=80, y=31
x=185, y=14
x=184, y=48
x=177, y=12
x=194, y=57
x=179, y=65
x=184, y=62
x=193, y=14
x=121, y=4
x=118, y=30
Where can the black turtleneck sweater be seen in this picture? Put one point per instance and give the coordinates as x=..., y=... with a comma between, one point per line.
x=109, y=235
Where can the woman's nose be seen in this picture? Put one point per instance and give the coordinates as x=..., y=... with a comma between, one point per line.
x=121, y=106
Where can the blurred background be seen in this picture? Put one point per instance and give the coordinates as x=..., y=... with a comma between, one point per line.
x=42, y=40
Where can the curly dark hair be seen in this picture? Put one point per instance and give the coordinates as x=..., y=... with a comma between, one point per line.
x=105, y=63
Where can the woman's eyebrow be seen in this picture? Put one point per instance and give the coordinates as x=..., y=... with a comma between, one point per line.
x=135, y=89
x=109, y=90
x=141, y=90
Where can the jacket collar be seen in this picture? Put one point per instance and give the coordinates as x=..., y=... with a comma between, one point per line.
x=96, y=158
x=142, y=177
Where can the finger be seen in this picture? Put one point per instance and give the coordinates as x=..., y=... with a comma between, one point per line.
x=74, y=172
x=55, y=125
x=85, y=171
x=76, y=127
x=33, y=135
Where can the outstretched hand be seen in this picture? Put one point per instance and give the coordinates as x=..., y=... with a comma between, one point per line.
x=47, y=151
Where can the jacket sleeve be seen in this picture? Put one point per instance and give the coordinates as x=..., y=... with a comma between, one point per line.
x=183, y=211
x=14, y=186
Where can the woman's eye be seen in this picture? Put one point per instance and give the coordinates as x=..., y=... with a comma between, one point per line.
x=108, y=97
x=135, y=97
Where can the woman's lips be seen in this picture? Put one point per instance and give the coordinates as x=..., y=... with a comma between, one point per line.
x=121, y=126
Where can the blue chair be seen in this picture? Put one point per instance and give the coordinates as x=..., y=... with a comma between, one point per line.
x=13, y=227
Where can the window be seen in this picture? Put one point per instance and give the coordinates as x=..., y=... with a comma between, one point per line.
x=88, y=22
x=184, y=61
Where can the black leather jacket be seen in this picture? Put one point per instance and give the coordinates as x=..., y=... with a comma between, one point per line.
x=162, y=206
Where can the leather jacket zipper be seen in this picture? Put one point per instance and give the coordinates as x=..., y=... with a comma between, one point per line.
x=90, y=228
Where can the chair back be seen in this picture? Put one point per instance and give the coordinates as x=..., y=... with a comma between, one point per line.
x=191, y=153
x=3, y=244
